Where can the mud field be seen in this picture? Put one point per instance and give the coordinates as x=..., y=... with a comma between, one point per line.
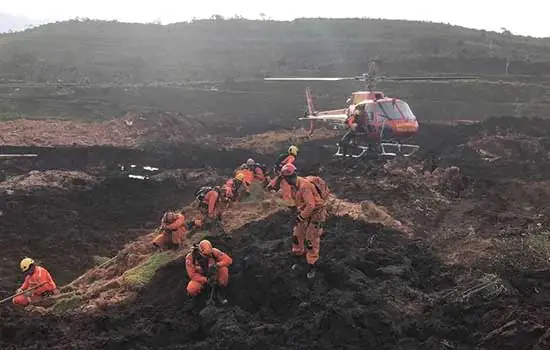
x=468, y=269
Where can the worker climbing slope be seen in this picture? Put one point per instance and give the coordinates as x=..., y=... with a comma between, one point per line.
x=38, y=284
x=310, y=218
x=207, y=265
x=288, y=157
x=210, y=200
x=235, y=188
x=277, y=183
x=259, y=171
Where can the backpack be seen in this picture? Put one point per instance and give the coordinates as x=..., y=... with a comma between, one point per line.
x=320, y=186
x=202, y=191
x=282, y=157
x=263, y=167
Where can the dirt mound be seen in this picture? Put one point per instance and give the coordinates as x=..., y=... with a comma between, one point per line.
x=511, y=146
x=53, y=181
x=272, y=142
x=129, y=131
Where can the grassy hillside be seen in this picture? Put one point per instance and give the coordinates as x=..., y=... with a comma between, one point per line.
x=99, y=51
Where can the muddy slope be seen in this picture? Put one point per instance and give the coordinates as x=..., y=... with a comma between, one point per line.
x=65, y=231
x=356, y=299
x=374, y=289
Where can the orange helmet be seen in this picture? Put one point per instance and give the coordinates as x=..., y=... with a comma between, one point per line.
x=205, y=247
x=288, y=170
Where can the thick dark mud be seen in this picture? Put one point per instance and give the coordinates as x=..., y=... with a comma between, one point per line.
x=375, y=289
x=101, y=159
x=65, y=231
x=367, y=278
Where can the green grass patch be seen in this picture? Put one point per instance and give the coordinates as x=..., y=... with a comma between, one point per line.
x=140, y=275
x=71, y=301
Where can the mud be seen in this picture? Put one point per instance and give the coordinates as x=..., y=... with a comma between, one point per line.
x=471, y=274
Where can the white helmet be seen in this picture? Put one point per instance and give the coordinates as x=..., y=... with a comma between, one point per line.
x=250, y=161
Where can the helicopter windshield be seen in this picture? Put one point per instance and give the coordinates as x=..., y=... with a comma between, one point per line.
x=394, y=111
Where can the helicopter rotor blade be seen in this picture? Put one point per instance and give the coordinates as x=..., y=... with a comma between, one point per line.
x=309, y=79
x=428, y=78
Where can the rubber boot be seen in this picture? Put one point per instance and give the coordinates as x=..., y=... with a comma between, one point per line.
x=311, y=272
x=222, y=295
x=295, y=262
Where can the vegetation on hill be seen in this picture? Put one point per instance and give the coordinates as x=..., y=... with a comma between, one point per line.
x=100, y=51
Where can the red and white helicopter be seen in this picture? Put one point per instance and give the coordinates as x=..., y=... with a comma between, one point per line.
x=385, y=122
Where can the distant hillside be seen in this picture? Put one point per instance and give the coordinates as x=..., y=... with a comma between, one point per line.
x=99, y=51
x=14, y=23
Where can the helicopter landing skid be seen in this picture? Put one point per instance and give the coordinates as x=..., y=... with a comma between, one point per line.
x=399, y=149
x=353, y=154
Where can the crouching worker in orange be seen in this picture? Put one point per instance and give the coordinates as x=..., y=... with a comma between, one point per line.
x=207, y=266
x=173, y=229
x=235, y=187
x=310, y=218
x=38, y=283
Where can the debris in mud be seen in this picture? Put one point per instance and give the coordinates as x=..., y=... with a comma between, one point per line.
x=129, y=131
x=51, y=179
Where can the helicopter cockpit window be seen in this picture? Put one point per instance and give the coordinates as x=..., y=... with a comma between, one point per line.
x=394, y=111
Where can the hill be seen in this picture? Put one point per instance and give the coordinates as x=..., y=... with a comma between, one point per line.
x=14, y=23
x=100, y=51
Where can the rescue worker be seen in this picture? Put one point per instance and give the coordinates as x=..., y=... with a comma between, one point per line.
x=34, y=276
x=356, y=124
x=258, y=170
x=286, y=158
x=235, y=187
x=280, y=183
x=311, y=215
x=210, y=200
x=247, y=176
x=207, y=265
x=174, y=230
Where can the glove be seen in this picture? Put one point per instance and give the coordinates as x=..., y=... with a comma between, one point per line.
x=19, y=290
x=212, y=270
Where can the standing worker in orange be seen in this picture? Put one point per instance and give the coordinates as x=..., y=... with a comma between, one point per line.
x=36, y=277
x=207, y=265
x=174, y=230
x=310, y=218
x=284, y=158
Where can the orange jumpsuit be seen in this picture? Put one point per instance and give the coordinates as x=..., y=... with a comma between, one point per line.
x=179, y=232
x=285, y=187
x=232, y=189
x=196, y=270
x=209, y=205
x=279, y=182
x=259, y=174
x=311, y=207
x=248, y=178
x=40, y=275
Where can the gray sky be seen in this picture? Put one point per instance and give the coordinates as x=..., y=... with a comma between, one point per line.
x=527, y=17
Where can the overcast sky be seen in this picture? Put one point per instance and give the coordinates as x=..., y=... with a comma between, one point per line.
x=527, y=17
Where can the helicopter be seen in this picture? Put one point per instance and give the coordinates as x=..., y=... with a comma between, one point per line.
x=382, y=123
